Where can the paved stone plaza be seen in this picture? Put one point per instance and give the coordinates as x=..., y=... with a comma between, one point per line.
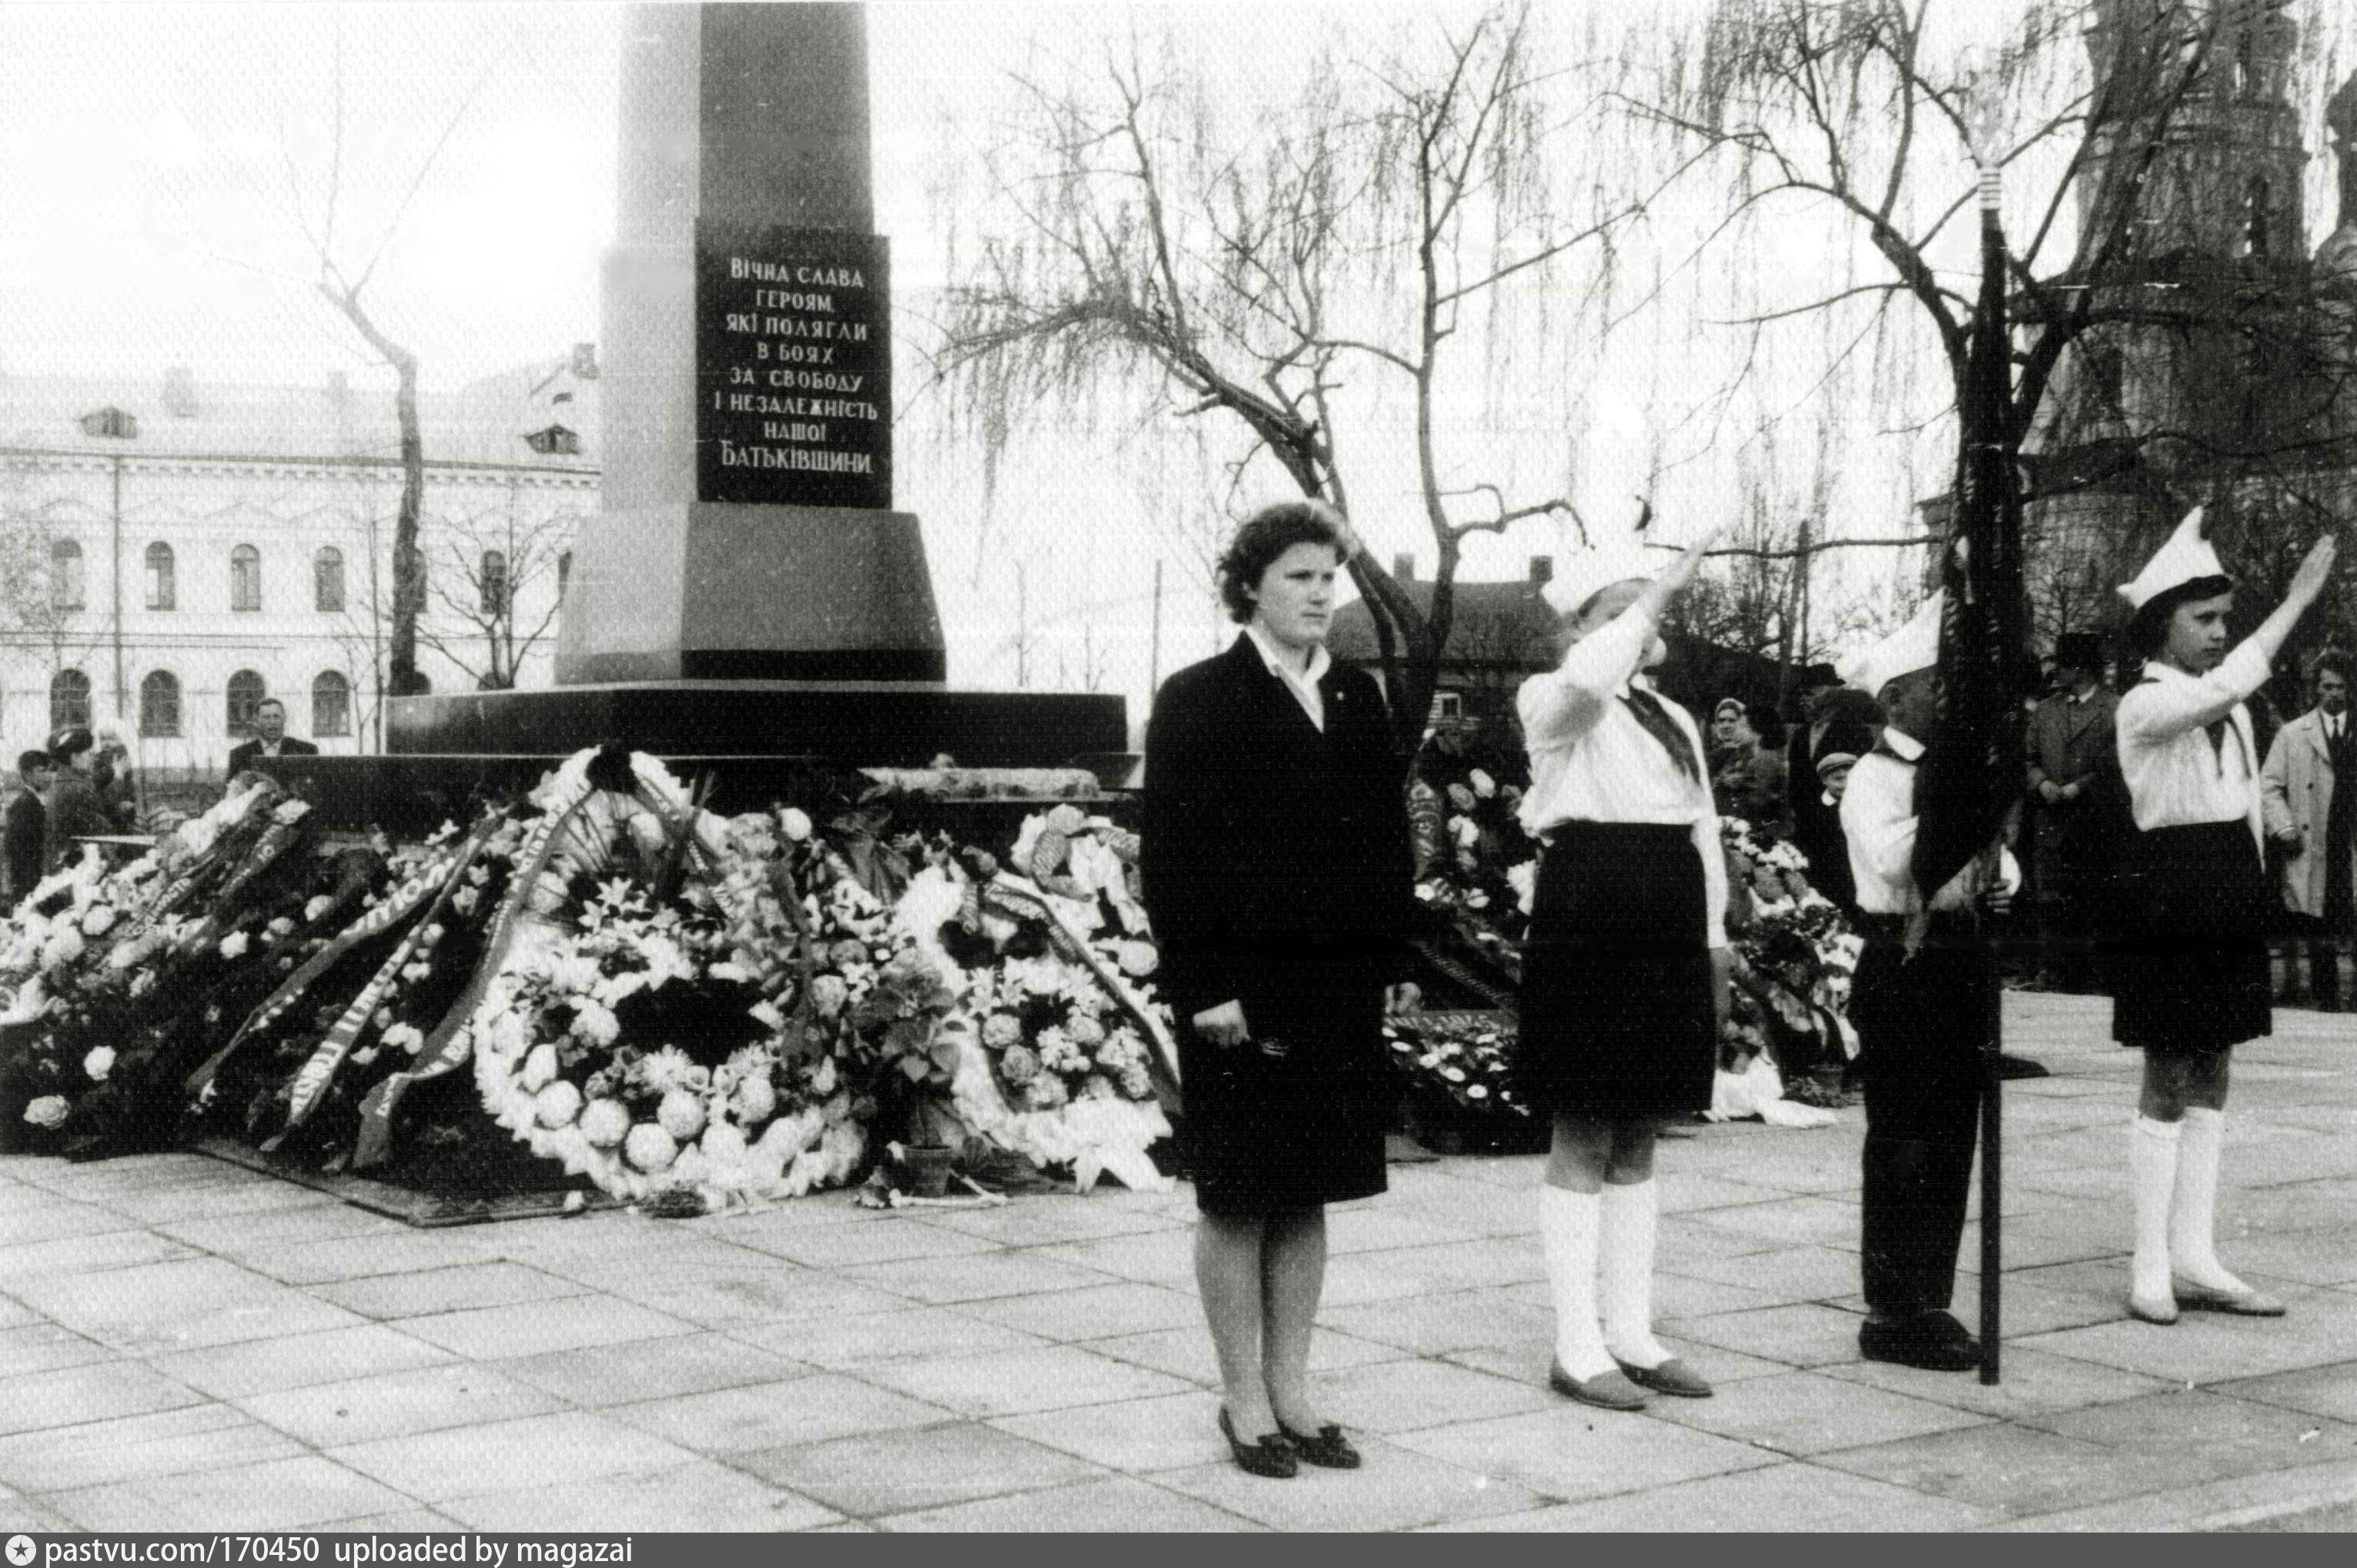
x=184, y=1344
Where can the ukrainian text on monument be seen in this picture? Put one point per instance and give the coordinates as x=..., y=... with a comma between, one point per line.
x=794, y=361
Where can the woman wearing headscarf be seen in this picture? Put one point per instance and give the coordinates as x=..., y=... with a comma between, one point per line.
x=2195, y=982
x=1625, y=969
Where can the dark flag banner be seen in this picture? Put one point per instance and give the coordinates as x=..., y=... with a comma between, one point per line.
x=1970, y=777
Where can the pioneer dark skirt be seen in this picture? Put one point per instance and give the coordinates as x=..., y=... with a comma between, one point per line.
x=1616, y=1003
x=2192, y=974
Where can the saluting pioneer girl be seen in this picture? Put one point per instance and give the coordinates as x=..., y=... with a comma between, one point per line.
x=1625, y=970
x=2194, y=979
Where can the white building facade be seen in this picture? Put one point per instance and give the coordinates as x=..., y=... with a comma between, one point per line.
x=171, y=555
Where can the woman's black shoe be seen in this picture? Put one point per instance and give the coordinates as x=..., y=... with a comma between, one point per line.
x=1272, y=1456
x=1330, y=1449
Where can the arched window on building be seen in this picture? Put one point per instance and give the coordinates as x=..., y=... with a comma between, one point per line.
x=331, y=705
x=246, y=578
x=163, y=587
x=564, y=575
x=246, y=691
x=495, y=582
x=2257, y=233
x=159, y=705
x=327, y=579
x=68, y=699
x=65, y=574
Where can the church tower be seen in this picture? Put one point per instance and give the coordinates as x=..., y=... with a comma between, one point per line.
x=2212, y=373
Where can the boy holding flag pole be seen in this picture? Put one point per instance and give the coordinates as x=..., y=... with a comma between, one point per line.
x=1926, y=825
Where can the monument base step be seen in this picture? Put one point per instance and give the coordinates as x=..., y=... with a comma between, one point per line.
x=860, y=724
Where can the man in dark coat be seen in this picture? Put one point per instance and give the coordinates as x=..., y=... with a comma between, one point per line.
x=72, y=808
x=270, y=738
x=2081, y=805
x=24, y=821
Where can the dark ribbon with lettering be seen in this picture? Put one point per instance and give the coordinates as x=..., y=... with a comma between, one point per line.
x=311, y=1083
x=397, y=905
x=452, y=1043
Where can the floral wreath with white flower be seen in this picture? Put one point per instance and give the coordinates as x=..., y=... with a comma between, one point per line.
x=642, y=1047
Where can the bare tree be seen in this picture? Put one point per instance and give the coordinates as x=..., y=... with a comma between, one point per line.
x=1852, y=110
x=42, y=593
x=1409, y=198
x=489, y=568
x=344, y=269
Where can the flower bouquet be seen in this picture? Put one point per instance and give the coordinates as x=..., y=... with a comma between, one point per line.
x=1456, y=1072
x=1066, y=1053
x=120, y=980
x=1477, y=870
x=1794, y=956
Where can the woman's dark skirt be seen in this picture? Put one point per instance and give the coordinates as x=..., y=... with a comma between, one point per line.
x=1616, y=1006
x=1267, y=1134
x=2192, y=977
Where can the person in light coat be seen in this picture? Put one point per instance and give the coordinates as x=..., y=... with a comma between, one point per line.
x=2308, y=792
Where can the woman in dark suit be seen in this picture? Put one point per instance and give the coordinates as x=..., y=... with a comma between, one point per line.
x=1277, y=875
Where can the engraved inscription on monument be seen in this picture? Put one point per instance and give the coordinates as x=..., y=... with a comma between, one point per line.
x=794, y=363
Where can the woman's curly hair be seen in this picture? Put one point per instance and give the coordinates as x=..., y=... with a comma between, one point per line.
x=1267, y=534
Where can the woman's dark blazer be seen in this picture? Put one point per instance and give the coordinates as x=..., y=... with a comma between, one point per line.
x=1268, y=847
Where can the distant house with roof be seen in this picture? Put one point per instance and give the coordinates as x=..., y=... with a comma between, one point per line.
x=1504, y=632
x=176, y=551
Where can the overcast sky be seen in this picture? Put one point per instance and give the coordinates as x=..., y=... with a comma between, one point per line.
x=160, y=167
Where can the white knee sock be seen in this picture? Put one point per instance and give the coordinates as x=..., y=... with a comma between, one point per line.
x=1625, y=1258
x=2193, y=1215
x=2153, y=1159
x=1567, y=1226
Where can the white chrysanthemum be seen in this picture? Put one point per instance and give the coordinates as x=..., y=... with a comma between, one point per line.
x=574, y=975
x=681, y=1115
x=756, y=1100
x=724, y=1143
x=98, y=921
x=557, y=1105
x=411, y=1038
x=317, y=907
x=49, y=1111
x=828, y=995
x=605, y=1123
x=234, y=945
x=1138, y=959
x=1484, y=785
x=538, y=1069
x=97, y=1063
x=63, y=948
x=650, y=1148
x=669, y=1069
x=595, y=1022
x=794, y=825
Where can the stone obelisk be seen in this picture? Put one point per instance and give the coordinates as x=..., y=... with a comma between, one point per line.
x=747, y=590
x=746, y=529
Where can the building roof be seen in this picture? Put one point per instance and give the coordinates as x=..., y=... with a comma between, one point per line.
x=487, y=423
x=1501, y=626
